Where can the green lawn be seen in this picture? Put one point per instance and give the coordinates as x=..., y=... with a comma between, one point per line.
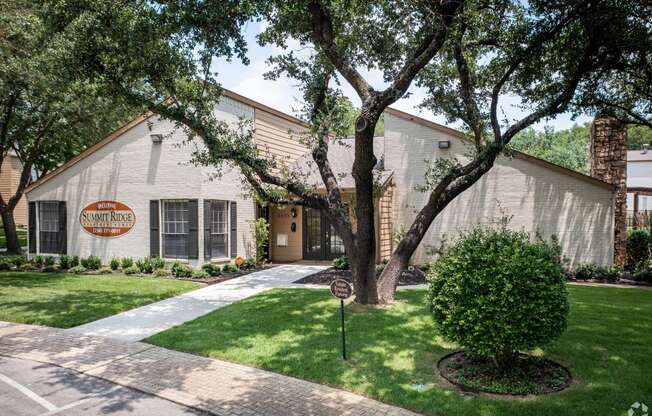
x=608, y=347
x=66, y=300
x=22, y=236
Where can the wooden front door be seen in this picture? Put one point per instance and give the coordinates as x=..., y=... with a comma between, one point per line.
x=320, y=241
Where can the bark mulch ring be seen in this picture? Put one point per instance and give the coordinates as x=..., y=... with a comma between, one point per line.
x=325, y=277
x=528, y=376
x=211, y=280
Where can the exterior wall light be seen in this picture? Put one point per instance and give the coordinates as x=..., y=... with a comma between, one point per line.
x=293, y=212
x=444, y=144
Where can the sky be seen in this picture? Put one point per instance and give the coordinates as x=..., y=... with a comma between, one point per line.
x=283, y=95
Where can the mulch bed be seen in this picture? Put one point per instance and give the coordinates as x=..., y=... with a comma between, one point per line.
x=325, y=277
x=528, y=376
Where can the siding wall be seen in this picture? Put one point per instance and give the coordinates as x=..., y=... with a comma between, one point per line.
x=279, y=137
x=9, y=179
x=133, y=170
x=281, y=222
x=385, y=217
x=578, y=211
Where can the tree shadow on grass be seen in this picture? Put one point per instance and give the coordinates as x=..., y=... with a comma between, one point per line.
x=392, y=352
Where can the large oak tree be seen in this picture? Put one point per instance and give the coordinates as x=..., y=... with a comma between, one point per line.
x=556, y=56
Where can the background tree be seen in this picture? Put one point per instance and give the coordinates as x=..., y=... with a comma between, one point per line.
x=568, y=147
x=46, y=114
x=553, y=55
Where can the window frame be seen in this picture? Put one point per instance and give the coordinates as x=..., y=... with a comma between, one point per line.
x=227, y=229
x=39, y=223
x=162, y=228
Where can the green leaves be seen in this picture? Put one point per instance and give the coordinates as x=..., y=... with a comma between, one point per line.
x=496, y=291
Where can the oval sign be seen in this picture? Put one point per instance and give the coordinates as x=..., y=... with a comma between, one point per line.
x=341, y=289
x=107, y=218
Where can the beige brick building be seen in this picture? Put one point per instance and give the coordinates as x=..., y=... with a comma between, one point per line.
x=134, y=194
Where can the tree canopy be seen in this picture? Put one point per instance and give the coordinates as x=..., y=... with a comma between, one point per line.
x=555, y=56
x=47, y=113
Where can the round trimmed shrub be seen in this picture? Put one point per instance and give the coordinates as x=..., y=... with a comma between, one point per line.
x=496, y=292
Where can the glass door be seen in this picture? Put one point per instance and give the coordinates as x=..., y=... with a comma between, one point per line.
x=320, y=241
x=313, y=239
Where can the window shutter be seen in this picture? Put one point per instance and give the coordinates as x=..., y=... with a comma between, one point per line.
x=234, y=229
x=31, y=227
x=207, y=230
x=193, y=228
x=63, y=226
x=154, y=237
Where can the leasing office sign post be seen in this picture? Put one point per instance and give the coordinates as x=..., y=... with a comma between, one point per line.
x=341, y=289
x=107, y=218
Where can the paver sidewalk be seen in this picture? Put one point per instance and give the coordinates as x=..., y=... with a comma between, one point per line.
x=140, y=323
x=219, y=387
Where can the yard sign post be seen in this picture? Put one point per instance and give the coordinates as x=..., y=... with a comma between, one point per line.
x=342, y=289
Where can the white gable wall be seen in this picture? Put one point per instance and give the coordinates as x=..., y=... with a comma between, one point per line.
x=133, y=170
x=579, y=212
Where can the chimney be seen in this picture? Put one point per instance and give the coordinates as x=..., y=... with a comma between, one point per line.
x=608, y=143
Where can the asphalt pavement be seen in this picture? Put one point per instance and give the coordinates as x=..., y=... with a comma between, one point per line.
x=29, y=388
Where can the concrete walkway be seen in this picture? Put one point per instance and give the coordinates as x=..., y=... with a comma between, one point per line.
x=140, y=323
x=215, y=386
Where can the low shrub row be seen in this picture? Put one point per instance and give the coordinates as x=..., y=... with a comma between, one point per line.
x=593, y=271
x=129, y=266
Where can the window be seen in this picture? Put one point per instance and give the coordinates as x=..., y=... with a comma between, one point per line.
x=219, y=229
x=175, y=229
x=336, y=243
x=48, y=227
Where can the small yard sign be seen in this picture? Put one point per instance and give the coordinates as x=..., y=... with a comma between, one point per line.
x=342, y=289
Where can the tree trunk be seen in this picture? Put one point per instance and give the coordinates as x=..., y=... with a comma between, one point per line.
x=11, y=236
x=388, y=279
x=363, y=265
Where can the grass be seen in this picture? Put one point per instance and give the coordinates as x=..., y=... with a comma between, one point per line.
x=66, y=300
x=392, y=352
x=22, y=236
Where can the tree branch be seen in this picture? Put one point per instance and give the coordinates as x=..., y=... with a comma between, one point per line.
x=473, y=116
x=420, y=57
x=532, y=47
x=322, y=32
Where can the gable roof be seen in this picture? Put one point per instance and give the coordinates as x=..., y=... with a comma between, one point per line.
x=256, y=105
x=340, y=158
x=517, y=154
x=144, y=117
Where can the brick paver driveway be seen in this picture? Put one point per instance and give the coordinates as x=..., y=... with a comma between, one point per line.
x=216, y=386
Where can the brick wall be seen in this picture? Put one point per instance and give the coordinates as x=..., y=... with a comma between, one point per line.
x=540, y=198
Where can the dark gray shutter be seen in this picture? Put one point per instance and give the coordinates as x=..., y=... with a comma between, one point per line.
x=234, y=229
x=31, y=225
x=63, y=226
x=154, y=236
x=207, y=230
x=193, y=228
